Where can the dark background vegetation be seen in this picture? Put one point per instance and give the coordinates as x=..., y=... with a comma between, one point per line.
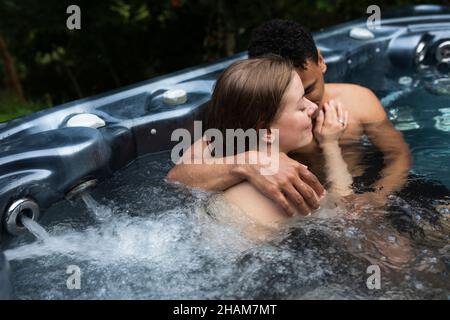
x=123, y=41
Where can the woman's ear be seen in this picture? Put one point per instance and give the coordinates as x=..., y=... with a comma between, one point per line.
x=321, y=62
x=268, y=137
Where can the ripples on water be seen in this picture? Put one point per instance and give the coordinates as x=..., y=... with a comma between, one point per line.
x=157, y=244
x=424, y=119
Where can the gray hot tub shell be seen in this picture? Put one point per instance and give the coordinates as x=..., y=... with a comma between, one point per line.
x=42, y=159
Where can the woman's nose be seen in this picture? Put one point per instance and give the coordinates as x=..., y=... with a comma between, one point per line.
x=311, y=107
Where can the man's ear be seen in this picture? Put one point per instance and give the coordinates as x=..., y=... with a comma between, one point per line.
x=321, y=62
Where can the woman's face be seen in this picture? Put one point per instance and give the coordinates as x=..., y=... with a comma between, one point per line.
x=293, y=119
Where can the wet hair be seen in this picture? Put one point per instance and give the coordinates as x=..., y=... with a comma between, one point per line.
x=287, y=39
x=248, y=94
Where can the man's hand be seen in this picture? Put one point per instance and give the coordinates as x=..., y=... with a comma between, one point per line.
x=294, y=188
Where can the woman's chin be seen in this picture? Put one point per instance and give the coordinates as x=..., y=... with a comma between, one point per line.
x=305, y=140
x=308, y=138
x=304, y=143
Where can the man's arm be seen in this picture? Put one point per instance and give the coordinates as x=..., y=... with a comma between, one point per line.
x=213, y=177
x=383, y=135
x=292, y=183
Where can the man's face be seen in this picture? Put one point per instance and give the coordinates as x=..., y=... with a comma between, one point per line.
x=313, y=82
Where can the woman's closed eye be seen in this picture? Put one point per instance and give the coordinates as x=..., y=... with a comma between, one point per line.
x=301, y=105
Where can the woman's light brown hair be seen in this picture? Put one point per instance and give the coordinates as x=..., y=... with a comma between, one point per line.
x=249, y=93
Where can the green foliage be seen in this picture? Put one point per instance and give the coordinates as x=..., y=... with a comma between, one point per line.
x=11, y=107
x=126, y=41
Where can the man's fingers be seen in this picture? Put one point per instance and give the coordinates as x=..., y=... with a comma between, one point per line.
x=281, y=200
x=312, y=181
x=296, y=198
x=308, y=194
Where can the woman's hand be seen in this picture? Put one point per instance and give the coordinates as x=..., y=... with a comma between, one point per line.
x=330, y=123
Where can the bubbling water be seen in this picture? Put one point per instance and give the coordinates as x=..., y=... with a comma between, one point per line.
x=35, y=228
x=100, y=212
x=157, y=242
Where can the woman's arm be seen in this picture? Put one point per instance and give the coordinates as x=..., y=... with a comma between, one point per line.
x=330, y=124
x=336, y=169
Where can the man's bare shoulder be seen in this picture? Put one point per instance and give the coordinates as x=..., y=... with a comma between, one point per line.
x=347, y=90
x=360, y=101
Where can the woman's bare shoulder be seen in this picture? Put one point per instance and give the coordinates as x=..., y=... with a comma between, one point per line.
x=256, y=205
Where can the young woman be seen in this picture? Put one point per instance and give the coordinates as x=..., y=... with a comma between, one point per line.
x=267, y=93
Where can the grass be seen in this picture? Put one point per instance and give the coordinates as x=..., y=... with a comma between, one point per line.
x=11, y=107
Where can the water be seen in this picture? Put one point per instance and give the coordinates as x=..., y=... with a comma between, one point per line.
x=420, y=109
x=157, y=243
x=424, y=119
x=100, y=212
x=35, y=228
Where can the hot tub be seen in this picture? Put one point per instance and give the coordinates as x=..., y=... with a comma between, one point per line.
x=119, y=149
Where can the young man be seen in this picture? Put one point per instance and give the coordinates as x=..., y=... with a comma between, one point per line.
x=294, y=187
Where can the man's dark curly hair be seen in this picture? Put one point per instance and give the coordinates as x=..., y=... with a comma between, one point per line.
x=287, y=39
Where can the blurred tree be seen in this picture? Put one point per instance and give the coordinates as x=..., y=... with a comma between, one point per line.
x=10, y=70
x=125, y=41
